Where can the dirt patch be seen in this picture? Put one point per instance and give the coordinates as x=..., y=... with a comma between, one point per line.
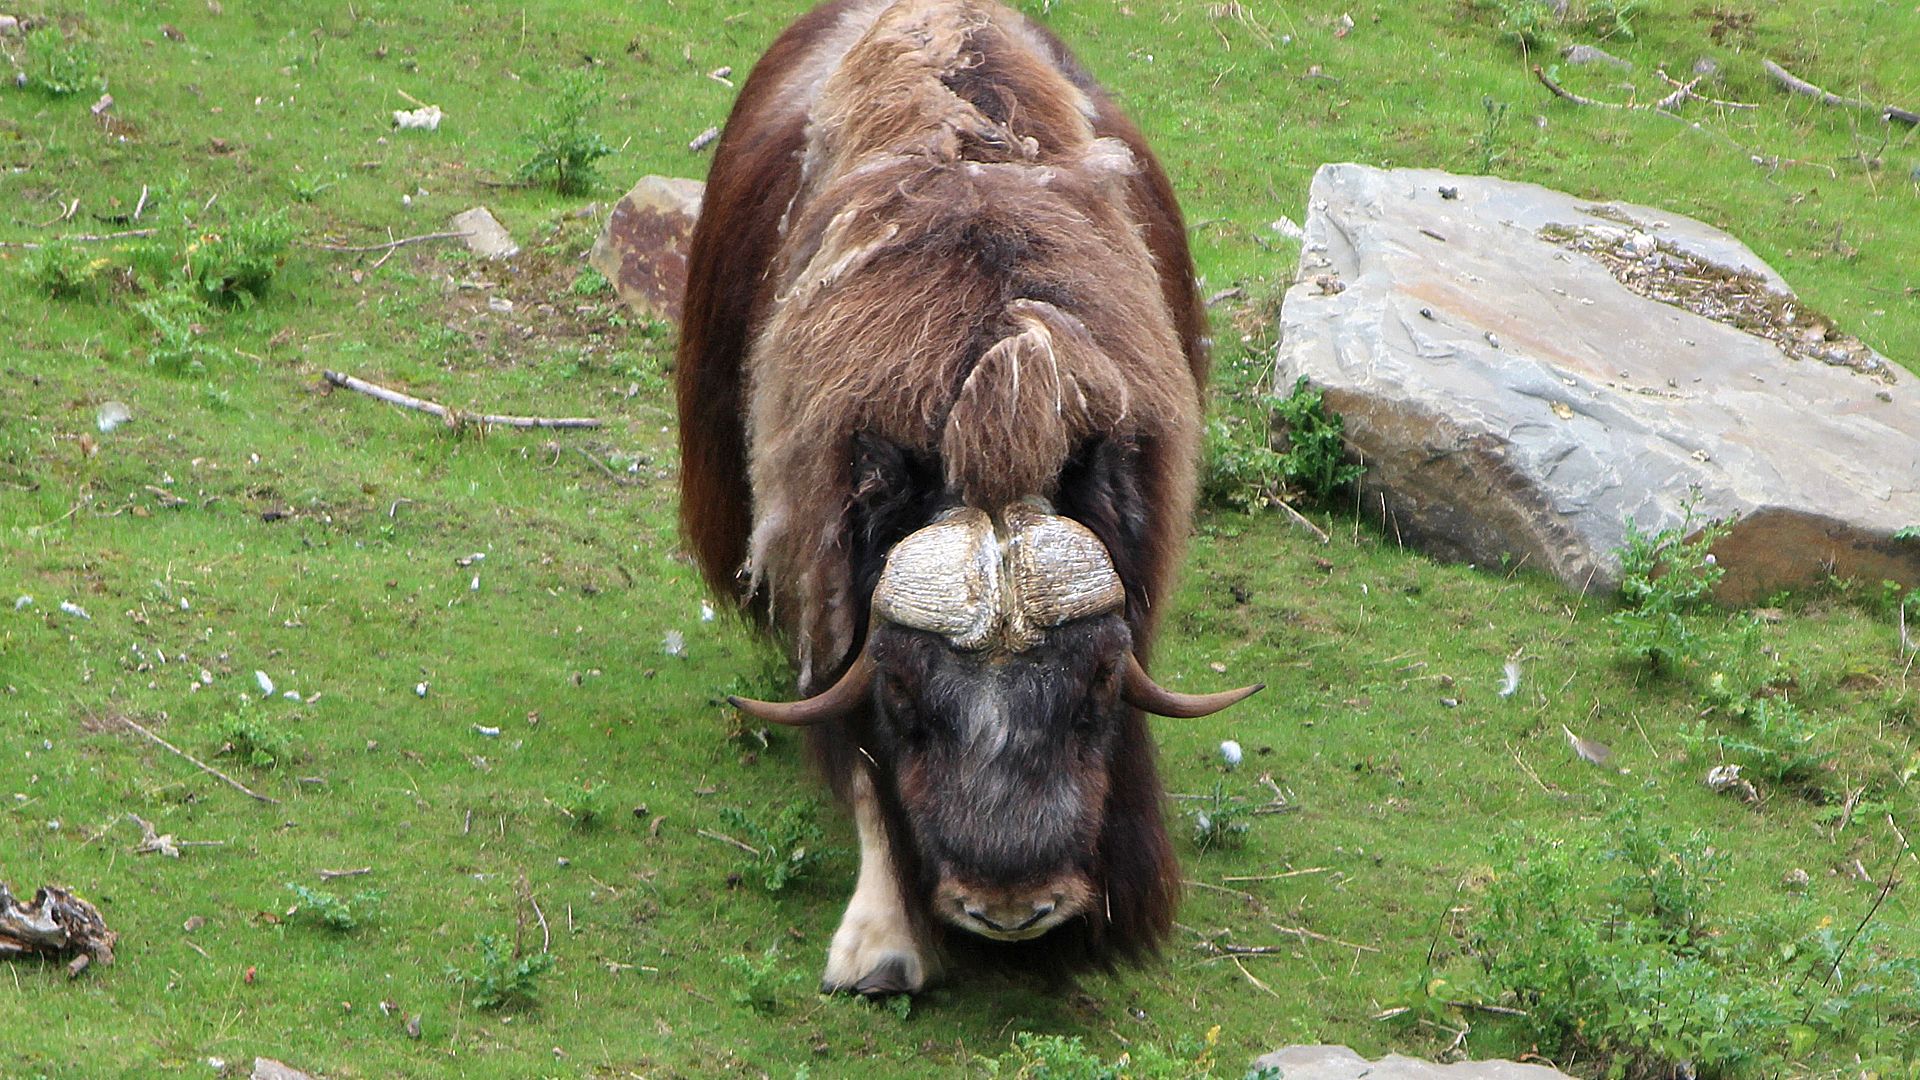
x=1660, y=271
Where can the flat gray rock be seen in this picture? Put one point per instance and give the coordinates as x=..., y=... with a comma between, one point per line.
x=269, y=1069
x=643, y=249
x=1340, y=1063
x=483, y=234
x=1516, y=397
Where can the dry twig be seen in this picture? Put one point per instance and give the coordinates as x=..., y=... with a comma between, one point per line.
x=1798, y=85
x=203, y=766
x=454, y=417
x=80, y=238
x=360, y=249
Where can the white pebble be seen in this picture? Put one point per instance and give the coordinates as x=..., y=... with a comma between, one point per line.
x=266, y=684
x=475, y=585
x=23, y=602
x=489, y=732
x=1230, y=753
x=706, y=611
x=75, y=610
x=292, y=695
x=420, y=689
x=674, y=644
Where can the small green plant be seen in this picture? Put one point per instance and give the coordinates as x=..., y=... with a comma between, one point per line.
x=1488, y=141
x=307, y=189
x=1314, y=461
x=560, y=149
x=177, y=349
x=582, y=802
x=251, y=738
x=63, y=269
x=1624, y=972
x=1777, y=741
x=502, y=975
x=1244, y=469
x=1219, y=822
x=1609, y=19
x=590, y=282
x=1067, y=1057
x=59, y=66
x=1530, y=23
x=758, y=983
x=324, y=909
x=235, y=265
x=788, y=849
x=1665, y=579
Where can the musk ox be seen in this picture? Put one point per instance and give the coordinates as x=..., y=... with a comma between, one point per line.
x=940, y=384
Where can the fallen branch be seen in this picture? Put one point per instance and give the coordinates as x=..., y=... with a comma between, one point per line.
x=55, y=923
x=361, y=249
x=203, y=766
x=725, y=839
x=154, y=842
x=80, y=238
x=1278, y=877
x=329, y=875
x=1695, y=96
x=453, y=417
x=1683, y=92
x=1797, y=85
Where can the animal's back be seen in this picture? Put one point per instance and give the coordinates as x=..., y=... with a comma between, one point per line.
x=926, y=225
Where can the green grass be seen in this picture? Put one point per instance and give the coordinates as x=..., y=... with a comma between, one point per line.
x=318, y=537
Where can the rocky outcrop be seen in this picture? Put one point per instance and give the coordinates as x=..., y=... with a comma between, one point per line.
x=1523, y=371
x=643, y=249
x=1340, y=1063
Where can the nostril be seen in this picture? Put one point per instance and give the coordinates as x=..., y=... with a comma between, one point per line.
x=979, y=915
x=1041, y=911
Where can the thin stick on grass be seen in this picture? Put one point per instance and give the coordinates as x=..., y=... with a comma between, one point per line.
x=80, y=238
x=329, y=875
x=454, y=417
x=1277, y=877
x=1796, y=84
x=363, y=249
x=203, y=766
x=1250, y=978
x=725, y=839
x=1893, y=878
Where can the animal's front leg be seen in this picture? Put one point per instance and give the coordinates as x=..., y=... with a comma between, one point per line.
x=875, y=952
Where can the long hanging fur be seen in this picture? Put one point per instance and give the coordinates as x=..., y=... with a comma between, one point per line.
x=927, y=227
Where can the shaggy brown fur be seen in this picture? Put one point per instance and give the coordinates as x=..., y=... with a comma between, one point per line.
x=926, y=225
x=1077, y=260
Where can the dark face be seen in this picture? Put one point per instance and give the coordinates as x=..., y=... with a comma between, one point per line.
x=1003, y=765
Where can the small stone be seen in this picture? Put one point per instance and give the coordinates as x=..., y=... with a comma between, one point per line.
x=1593, y=54
x=1230, y=753
x=1795, y=880
x=483, y=234
x=111, y=415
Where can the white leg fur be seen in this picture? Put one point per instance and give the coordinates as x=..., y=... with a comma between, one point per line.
x=875, y=950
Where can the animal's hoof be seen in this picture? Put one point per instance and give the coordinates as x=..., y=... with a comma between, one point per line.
x=894, y=975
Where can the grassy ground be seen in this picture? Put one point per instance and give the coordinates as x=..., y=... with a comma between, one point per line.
x=485, y=734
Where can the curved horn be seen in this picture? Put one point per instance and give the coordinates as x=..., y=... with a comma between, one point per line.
x=832, y=703
x=1142, y=692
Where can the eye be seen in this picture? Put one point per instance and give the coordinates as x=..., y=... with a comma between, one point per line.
x=897, y=702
